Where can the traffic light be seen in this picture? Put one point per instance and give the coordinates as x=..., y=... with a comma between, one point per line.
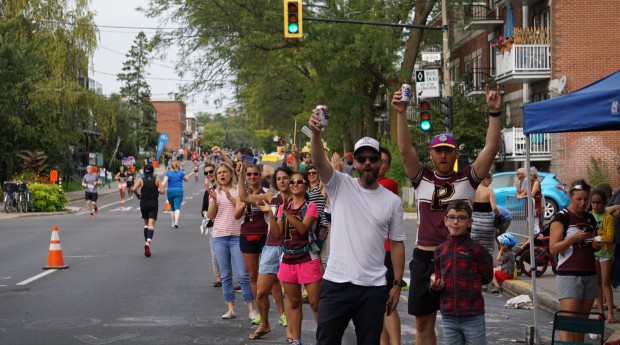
x=293, y=27
x=425, y=116
x=448, y=121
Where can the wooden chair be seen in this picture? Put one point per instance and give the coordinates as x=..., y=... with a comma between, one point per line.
x=570, y=322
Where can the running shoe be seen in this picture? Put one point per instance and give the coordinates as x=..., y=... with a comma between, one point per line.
x=147, y=250
x=304, y=296
x=176, y=225
x=238, y=288
x=90, y=215
x=282, y=320
x=96, y=210
x=255, y=317
x=229, y=315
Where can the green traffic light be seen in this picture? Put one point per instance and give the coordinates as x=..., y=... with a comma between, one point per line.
x=293, y=28
x=425, y=125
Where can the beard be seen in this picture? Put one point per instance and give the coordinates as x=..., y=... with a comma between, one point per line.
x=368, y=178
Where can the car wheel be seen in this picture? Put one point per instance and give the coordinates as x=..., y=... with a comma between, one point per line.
x=551, y=208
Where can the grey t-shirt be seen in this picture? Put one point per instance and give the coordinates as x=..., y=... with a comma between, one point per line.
x=91, y=181
x=508, y=262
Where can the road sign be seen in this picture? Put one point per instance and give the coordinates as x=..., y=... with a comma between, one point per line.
x=431, y=57
x=427, y=83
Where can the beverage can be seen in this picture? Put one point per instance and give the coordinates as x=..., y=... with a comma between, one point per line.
x=305, y=130
x=323, y=114
x=406, y=93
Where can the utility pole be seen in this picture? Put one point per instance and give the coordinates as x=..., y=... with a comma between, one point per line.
x=447, y=91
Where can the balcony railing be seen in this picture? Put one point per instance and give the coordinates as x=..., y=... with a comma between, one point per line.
x=475, y=14
x=514, y=143
x=475, y=80
x=524, y=62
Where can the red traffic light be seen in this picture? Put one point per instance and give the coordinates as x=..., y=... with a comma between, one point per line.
x=292, y=7
x=425, y=105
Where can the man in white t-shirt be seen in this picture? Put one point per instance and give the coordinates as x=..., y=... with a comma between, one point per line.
x=364, y=214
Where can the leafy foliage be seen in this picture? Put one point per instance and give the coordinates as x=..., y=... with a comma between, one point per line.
x=34, y=160
x=47, y=198
x=598, y=171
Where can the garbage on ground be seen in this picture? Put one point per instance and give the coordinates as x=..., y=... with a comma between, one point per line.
x=520, y=302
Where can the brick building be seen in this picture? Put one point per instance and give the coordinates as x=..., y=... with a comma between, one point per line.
x=558, y=47
x=171, y=119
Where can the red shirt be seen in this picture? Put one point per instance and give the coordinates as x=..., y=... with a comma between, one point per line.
x=392, y=186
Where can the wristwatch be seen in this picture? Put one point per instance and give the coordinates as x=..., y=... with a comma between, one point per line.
x=399, y=283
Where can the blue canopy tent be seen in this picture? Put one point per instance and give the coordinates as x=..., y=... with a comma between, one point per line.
x=592, y=108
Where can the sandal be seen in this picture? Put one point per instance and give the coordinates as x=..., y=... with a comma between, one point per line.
x=258, y=334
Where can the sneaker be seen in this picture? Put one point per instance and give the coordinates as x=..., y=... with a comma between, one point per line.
x=147, y=250
x=496, y=290
x=229, y=315
x=96, y=210
x=176, y=225
x=172, y=225
x=282, y=320
x=90, y=215
x=255, y=317
x=238, y=288
x=304, y=296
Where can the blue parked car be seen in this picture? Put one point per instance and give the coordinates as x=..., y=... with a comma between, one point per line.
x=553, y=190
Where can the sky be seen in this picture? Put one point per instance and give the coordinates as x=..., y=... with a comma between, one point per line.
x=114, y=43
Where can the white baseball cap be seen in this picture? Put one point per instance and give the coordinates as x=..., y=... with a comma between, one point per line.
x=367, y=142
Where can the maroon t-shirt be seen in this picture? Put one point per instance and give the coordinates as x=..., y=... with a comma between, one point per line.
x=254, y=222
x=275, y=203
x=293, y=239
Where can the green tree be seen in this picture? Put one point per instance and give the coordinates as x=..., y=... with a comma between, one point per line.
x=137, y=91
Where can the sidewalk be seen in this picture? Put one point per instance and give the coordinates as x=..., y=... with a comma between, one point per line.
x=547, y=300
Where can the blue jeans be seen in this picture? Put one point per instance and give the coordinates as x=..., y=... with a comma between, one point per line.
x=227, y=250
x=459, y=330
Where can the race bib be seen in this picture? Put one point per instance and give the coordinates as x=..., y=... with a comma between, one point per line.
x=90, y=187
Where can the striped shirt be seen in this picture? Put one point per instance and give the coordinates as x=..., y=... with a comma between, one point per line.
x=225, y=223
x=316, y=197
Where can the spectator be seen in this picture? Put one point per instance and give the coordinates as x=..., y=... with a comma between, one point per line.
x=435, y=189
x=348, y=166
x=209, y=172
x=604, y=257
x=459, y=279
x=484, y=212
x=571, y=238
x=506, y=258
x=520, y=183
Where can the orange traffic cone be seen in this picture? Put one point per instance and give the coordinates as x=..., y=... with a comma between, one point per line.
x=54, y=257
x=168, y=207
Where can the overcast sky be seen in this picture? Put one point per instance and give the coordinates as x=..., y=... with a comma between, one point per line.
x=114, y=43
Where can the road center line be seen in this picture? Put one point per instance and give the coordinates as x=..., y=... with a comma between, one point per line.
x=40, y=275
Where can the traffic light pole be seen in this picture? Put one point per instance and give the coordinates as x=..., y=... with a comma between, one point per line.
x=365, y=22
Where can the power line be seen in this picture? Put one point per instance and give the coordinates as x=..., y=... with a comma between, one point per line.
x=152, y=78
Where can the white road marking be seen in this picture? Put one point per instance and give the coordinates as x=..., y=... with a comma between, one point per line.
x=40, y=275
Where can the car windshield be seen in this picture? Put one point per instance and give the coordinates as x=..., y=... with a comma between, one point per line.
x=500, y=181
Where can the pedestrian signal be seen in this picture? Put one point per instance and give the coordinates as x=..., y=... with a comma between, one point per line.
x=292, y=19
x=425, y=116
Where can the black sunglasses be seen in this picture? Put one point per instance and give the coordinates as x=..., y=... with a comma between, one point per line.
x=209, y=172
x=362, y=159
x=296, y=182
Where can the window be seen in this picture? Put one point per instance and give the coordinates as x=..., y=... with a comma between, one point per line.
x=542, y=19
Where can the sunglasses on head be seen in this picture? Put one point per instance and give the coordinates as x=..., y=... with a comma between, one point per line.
x=249, y=174
x=362, y=159
x=209, y=172
x=293, y=182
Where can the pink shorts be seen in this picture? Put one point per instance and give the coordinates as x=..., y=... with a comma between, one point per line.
x=304, y=273
x=122, y=185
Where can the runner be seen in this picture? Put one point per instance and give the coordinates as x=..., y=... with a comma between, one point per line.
x=195, y=171
x=90, y=182
x=174, y=179
x=122, y=182
x=149, y=204
x=130, y=180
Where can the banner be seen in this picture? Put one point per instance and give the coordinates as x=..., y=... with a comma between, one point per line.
x=163, y=139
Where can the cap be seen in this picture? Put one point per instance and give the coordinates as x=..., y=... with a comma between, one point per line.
x=443, y=139
x=367, y=142
x=148, y=169
x=348, y=155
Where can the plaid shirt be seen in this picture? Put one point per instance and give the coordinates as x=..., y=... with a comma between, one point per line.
x=465, y=266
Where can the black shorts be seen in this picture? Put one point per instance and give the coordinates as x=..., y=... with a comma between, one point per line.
x=421, y=302
x=389, y=274
x=149, y=210
x=89, y=196
x=252, y=247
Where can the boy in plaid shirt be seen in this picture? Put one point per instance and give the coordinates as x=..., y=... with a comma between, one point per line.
x=462, y=266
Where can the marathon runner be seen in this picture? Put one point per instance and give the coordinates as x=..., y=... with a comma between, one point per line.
x=90, y=181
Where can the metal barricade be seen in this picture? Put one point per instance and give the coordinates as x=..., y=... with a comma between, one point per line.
x=518, y=224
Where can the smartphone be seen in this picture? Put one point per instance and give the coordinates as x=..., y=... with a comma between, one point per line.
x=249, y=159
x=305, y=130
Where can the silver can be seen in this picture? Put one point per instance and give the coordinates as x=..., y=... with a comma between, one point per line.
x=323, y=114
x=405, y=93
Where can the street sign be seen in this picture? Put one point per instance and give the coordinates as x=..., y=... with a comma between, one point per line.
x=431, y=57
x=427, y=83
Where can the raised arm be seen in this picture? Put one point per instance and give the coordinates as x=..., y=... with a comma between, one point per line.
x=411, y=161
x=318, y=151
x=491, y=145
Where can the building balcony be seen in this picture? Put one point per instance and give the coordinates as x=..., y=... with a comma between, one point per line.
x=474, y=81
x=523, y=63
x=477, y=16
x=512, y=146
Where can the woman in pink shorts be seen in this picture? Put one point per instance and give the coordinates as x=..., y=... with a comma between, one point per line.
x=122, y=182
x=301, y=263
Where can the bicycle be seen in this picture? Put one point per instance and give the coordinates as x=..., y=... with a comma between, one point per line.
x=10, y=197
x=542, y=257
x=23, y=197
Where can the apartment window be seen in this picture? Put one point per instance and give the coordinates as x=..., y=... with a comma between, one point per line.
x=542, y=19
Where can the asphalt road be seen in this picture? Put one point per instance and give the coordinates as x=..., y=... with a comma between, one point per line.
x=112, y=294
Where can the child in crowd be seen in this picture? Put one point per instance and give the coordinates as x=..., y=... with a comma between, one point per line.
x=506, y=258
x=604, y=257
x=462, y=266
